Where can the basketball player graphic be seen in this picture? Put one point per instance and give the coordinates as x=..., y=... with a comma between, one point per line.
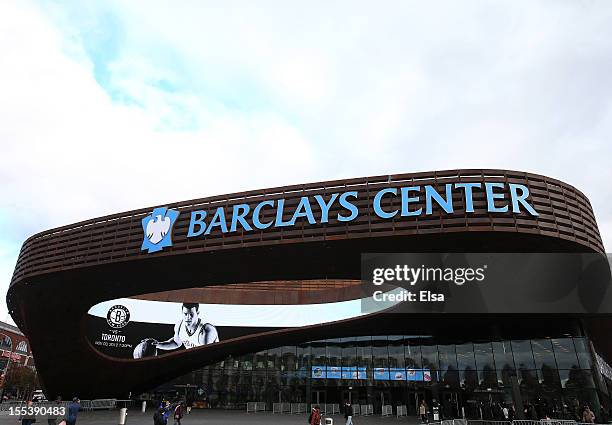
x=189, y=332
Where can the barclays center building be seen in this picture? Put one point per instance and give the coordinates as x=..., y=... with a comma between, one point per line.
x=469, y=289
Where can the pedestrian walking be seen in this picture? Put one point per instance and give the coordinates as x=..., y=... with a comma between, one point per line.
x=159, y=417
x=423, y=412
x=53, y=412
x=315, y=416
x=28, y=417
x=189, y=404
x=588, y=416
x=178, y=413
x=348, y=414
x=167, y=408
x=73, y=411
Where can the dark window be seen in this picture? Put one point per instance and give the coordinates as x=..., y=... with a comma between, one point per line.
x=246, y=362
x=334, y=352
x=380, y=351
x=487, y=378
x=503, y=355
x=584, y=355
x=484, y=356
x=465, y=357
x=396, y=351
x=303, y=357
x=523, y=357
x=318, y=351
x=469, y=378
x=364, y=351
x=528, y=379
x=543, y=353
x=349, y=352
x=565, y=353
x=5, y=341
x=288, y=360
x=572, y=378
x=274, y=359
x=447, y=357
x=549, y=378
x=430, y=357
x=413, y=356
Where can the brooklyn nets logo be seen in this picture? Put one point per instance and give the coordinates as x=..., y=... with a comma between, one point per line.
x=118, y=316
x=157, y=228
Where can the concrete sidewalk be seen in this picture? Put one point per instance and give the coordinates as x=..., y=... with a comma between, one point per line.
x=217, y=417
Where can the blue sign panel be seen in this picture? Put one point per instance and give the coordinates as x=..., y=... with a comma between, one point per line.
x=354, y=373
x=381, y=374
x=334, y=372
x=397, y=374
x=318, y=372
x=418, y=375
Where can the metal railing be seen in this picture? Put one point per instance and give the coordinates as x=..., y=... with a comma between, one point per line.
x=401, y=410
x=100, y=404
x=255, y=406
x=297, y=408
x=513, y=422
x=331, y=409
x=367, y=409
x=281, y=408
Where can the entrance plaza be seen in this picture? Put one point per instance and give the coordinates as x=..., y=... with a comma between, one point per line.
x=470, y=379
x=215, y=417
x=225, y=417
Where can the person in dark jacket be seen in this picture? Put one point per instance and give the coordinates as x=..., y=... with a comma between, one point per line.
x=167, y=408
x=51, y=416
x=73, y=411
x=159, y=417
x=348, y=414
x=28, y=418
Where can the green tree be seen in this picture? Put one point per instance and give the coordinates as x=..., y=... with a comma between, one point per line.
x=21, y=380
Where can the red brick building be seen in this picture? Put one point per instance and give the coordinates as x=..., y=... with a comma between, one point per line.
x=14, y=348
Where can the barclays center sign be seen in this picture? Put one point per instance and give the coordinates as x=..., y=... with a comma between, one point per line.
x=500, y=198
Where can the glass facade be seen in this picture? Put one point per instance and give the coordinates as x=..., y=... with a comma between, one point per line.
x=555, y=376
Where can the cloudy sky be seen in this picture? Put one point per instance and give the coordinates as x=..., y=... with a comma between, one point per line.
x=110, y=106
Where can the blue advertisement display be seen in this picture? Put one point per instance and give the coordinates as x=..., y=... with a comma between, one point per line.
x=381, y=374
x=334, y=372
x=354, y=373
x=318, y=372
x=397, y=374
x=418, y=375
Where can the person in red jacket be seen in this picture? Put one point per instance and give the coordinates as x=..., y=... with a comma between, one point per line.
x=178, y=414
x=315, y=416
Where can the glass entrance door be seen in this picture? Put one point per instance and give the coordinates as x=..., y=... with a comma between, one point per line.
x=350, y=396
x=318, y=397
x=450, y=405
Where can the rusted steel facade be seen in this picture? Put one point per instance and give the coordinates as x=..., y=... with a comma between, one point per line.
x=62, y=272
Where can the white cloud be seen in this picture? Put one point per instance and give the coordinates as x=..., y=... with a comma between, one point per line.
x=230, y=98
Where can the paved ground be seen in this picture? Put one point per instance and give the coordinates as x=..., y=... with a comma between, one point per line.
x=214, y=417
